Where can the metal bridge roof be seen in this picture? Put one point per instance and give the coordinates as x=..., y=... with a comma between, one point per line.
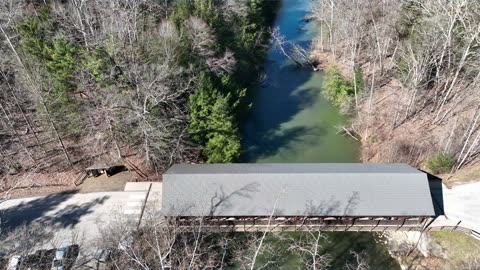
x=326, y=189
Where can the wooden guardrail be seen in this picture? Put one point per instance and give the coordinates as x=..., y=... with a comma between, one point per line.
x=475, y=234
x=470, y=232
x=133, y=168
x=80, y=178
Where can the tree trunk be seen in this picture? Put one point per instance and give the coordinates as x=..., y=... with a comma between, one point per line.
x=117, y=147
x=34, y=88
x=20, y=141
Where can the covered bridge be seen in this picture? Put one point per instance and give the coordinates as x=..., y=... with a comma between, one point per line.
x=324, y=194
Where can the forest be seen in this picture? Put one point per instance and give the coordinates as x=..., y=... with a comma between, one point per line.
x=158, y=82
x=151, y=83
x=417, y=63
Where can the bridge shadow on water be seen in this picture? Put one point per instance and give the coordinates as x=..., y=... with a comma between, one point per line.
x=276, y=102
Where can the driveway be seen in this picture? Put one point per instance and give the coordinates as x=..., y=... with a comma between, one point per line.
x=72, y=217
x=462, y=203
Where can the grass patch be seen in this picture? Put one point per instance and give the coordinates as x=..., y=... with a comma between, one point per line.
x=458, y=246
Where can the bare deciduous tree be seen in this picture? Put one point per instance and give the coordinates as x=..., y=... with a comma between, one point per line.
x=360, y=261
x=294, y=52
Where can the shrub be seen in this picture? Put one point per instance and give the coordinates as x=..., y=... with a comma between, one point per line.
x=340, y=91
x=440, y=163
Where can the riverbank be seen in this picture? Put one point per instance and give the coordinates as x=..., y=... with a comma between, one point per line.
x=419, y=104
x=377, y=118
x=435, y=250
x=411, y=142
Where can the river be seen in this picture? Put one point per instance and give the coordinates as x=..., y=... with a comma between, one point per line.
x=290, y=121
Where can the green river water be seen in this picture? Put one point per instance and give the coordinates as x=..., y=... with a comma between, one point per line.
x=291, y=121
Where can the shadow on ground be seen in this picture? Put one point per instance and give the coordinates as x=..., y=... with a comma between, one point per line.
x=436, y=190
x=39, y=210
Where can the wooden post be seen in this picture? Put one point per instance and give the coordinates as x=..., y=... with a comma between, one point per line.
x=378, y=223
x=455, y=227
x=401, y=225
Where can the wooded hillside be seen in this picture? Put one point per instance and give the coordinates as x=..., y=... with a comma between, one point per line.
x=420, y=60
x=165, y=81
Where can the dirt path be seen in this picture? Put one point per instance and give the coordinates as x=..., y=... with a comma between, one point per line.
x=101, y=183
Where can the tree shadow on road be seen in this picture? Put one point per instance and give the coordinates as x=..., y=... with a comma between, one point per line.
x=44, y=210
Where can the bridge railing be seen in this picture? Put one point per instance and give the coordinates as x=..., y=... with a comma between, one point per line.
x=299, y=224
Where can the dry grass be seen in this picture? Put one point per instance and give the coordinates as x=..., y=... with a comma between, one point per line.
x=416, y=261
x=103, y=183
x=465, y=175
x=458, y=246
x=51, y=185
